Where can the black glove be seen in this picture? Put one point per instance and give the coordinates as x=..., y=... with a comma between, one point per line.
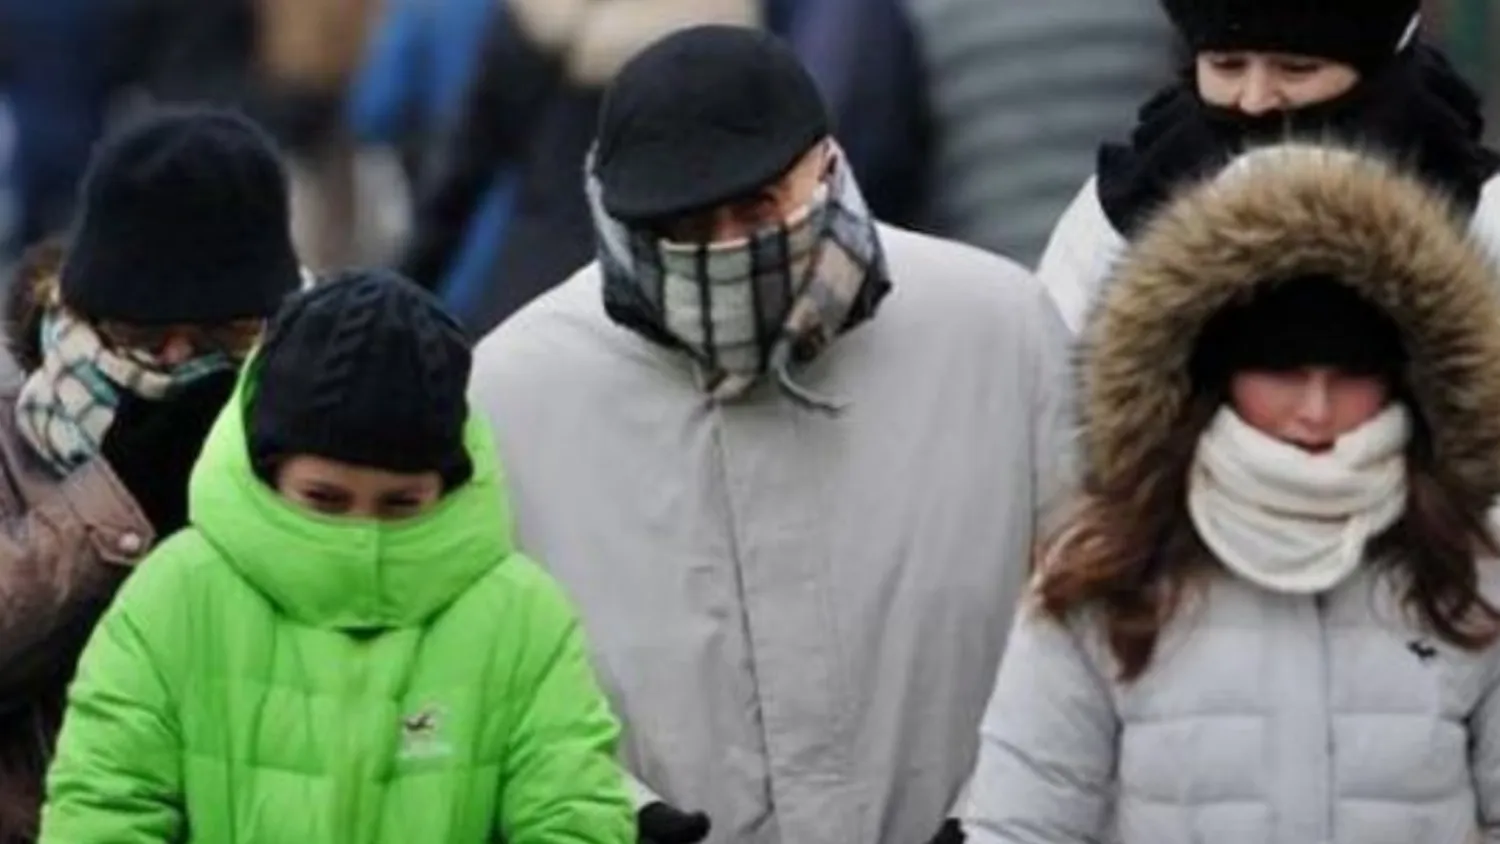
x=152, y=446
x=951, y=833
x=659, y=823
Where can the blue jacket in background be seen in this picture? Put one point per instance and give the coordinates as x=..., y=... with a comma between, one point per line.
x=865, y=57
x=59, y=70
x=420, y=66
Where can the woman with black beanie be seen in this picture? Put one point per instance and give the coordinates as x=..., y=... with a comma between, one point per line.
x=130, y=332
x=1353, y=72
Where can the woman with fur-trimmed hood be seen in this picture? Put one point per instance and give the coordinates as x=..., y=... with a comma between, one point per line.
x=1273, y=618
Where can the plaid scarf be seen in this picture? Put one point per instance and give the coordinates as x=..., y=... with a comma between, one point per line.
x=766, y=304
x=67, y=405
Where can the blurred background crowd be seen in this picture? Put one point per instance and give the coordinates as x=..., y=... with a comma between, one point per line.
x=447, y=136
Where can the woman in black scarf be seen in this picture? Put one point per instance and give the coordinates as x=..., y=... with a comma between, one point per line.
x=1352, y=72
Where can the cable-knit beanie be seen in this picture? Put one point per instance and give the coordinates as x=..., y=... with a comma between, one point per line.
x=183, y=218
x=366, y=369
x=1364, y=33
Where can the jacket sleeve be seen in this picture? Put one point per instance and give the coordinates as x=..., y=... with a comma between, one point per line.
x=641, y=795
x=1078, y=257
x=1048, y=744
x=1054, y=420
x=562, y=781
x=116, y=777
x=61, y=558
x=382, y=101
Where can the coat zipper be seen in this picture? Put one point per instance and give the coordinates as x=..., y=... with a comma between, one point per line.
x=1326, y=711
x=354, y=740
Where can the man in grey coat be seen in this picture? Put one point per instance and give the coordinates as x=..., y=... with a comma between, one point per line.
x=790, y=462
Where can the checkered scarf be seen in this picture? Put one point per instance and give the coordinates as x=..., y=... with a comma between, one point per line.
x=67, y=405
x=765, y=305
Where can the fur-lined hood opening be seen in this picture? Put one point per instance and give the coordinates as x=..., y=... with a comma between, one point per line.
x=1278, y=213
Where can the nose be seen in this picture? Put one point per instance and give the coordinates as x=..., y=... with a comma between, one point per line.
x=176, y=349
x=1314, y=408
x=1258, y=93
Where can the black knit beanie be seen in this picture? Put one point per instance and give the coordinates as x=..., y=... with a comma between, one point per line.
x=367, y=369
x=1362, y=33
x=1305, y=321
x=183, y=218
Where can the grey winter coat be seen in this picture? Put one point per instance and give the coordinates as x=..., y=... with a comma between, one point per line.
x=797, y=616
x=1265, y=718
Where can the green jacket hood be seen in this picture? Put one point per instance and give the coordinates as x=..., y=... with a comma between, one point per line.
x=344, y=573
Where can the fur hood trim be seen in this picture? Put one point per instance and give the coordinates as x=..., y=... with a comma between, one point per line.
x=1277, y=213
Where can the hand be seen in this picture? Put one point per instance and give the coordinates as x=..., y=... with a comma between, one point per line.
x=152, y=445
x=659, y=823
x=950, y=833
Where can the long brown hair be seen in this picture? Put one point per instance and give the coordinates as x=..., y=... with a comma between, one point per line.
x=1131, y=555
x=32, y=290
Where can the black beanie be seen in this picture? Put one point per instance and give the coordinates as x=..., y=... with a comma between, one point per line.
x=1305, y=321
x=367, y=369
x=183, y=218
x=705, y=115
x=1362, y=33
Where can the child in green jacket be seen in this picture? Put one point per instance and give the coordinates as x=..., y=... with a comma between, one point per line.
x=344, y=646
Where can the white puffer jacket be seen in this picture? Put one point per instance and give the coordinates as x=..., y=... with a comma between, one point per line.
x=1084, y=247
x=1264, y=719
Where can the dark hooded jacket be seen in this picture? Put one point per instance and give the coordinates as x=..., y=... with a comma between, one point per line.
x=1418, y=110
x=1266, y=716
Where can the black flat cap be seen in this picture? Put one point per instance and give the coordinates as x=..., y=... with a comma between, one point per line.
x=705, y=115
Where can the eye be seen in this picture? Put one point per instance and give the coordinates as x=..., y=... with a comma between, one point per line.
x=693, y=229
x=762, y=209
x=325, y=501
x=1299, y=67
x=1226, y=62
x=129, y=337
x=400, y=506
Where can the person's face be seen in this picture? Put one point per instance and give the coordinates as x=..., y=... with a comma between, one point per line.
x=1260, y=83
x=766, y=207
x=173, y=345
x=340, y=489
x=1310, y=407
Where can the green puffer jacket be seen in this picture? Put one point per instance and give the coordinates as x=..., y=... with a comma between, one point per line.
x=270, y=675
